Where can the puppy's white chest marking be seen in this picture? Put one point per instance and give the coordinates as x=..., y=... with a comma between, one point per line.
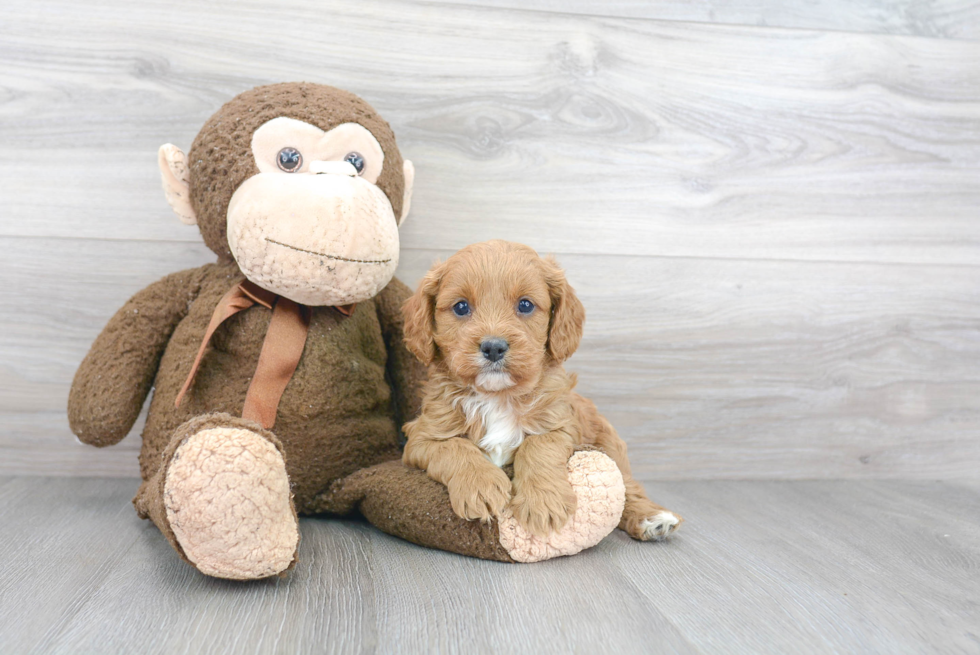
x=502, y=433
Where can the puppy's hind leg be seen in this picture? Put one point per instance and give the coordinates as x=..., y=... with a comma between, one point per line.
x=643, y=519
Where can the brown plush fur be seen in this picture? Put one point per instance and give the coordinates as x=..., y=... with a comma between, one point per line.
x=404, y=501
x=220, y=157
x=461, y=408
x=341, y=393
x=356, y=382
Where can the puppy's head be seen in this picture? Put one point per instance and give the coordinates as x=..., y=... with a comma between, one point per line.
x=494, y=316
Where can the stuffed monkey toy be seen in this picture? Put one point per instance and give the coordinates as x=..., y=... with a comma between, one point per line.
x=279, y=374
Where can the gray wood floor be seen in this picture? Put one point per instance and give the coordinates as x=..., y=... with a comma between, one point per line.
x=760, y=567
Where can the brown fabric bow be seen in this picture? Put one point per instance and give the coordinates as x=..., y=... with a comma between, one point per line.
x=281, y=349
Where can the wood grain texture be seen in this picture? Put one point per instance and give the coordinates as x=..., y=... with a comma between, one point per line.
x=709, y=368
x=761, y=567
x=947, y=19
x=775, y=230
x=577, y=134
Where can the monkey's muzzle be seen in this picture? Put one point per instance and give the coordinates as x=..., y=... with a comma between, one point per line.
x=328, y=238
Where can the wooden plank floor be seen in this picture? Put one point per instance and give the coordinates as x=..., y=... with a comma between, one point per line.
x=761, y=567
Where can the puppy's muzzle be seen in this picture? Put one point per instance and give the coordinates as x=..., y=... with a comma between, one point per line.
x=494, y=349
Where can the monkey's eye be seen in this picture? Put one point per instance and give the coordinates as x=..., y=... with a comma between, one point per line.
x=525, y=306
x=356, y=160
x=289, y=160
x=462, y=308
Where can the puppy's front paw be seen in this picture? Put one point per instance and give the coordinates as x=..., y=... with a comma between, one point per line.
x=479, y=494
x=543, y=506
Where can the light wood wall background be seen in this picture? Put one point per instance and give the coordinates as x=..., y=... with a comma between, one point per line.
x=770, y=209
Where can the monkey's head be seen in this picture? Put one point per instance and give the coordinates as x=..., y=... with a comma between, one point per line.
x=303, y=185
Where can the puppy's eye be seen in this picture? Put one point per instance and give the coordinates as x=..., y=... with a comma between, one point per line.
x=525, y=306
x=462, y=308
x=289, y=160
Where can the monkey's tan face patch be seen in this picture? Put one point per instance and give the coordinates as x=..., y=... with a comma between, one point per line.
x=313, y=144
x=319, y=238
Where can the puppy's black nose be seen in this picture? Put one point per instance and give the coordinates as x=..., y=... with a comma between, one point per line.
x=494, y=349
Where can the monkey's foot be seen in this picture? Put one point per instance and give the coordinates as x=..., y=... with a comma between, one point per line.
x=601, y=494
x=228, y=503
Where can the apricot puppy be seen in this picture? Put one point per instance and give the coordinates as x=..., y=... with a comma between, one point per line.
x=494, y=323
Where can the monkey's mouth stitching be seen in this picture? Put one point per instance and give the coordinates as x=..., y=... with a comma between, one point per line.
x=320, y=254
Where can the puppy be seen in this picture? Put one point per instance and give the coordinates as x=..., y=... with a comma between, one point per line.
x=494, y=323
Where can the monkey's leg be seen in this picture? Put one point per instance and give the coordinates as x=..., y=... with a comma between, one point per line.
x=407, y=503
x=222, y=499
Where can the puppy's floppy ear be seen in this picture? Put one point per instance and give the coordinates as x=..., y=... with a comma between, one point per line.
x=420, y=320
x=567, y=313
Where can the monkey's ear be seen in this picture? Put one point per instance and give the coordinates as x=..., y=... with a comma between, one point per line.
x=176, y=182
x=408, y=170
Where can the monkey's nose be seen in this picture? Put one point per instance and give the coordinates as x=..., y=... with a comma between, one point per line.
x=333, y=168
x=494, y=349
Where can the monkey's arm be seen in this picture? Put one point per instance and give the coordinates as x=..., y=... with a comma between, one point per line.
x=407, y=374
x=115, y=377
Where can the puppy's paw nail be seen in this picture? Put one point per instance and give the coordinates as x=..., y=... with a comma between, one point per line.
x=659, y=526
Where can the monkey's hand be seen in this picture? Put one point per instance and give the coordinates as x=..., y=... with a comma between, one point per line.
x=113, y=380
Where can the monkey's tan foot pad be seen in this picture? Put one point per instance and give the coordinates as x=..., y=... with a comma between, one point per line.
x=228, y=503
x=598, y=485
